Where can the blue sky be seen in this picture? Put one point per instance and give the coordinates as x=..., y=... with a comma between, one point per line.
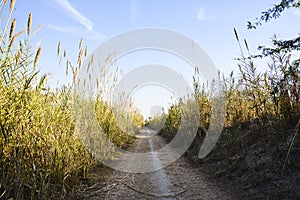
x=209, y=22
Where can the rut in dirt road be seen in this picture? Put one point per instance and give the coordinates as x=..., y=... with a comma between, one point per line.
x=179, y=180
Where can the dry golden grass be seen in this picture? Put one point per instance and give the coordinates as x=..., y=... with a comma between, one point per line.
x=41, y=155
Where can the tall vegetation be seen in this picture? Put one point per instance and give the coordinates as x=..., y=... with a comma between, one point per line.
x=264, y=98
x=265, y=104
x=41, y=155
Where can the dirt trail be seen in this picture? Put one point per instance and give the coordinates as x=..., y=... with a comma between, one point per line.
x=179, y=180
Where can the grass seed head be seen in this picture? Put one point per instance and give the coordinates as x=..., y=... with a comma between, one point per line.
x=38, y=53
x=12, y=5
x=80, y=44
x=86, y=51
x=58, y=48
x=29, y=23
x=12, y=28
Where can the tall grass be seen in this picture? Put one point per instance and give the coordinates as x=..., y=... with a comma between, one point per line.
x=265, y=104
x=41, y=155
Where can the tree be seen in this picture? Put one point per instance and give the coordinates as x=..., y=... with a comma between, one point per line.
x=284, y=76
x=274, y=13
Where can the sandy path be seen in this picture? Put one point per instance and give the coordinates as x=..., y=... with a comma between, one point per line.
x=179, y=180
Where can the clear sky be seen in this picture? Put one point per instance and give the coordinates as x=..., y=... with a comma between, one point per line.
x=209, y=22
